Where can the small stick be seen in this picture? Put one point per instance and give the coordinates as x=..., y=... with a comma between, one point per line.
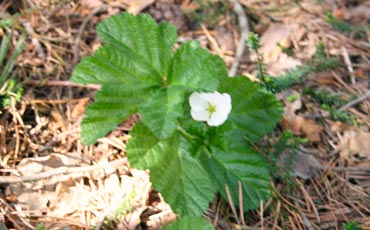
x=241, y=206
x=261, y=215
x=59, y=171
x=63, y=83
x=76, y=48
x=354, y=102
x=211, y=39
x=231, y=203
x=348, y=62
x=244, y=31
x=33, y=35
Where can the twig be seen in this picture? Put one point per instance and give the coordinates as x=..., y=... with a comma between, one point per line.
x=221, y=222
x=305, y=220
x=33, y=35
x=63, y=83
x=354, y=102
x=60, y=101
x=211, y=39
x=59, y=171
x=340, y=81
x=348, y=62
x=241, y=206
x=277, y=214
x=244, y=31
x=261, y=215
x=231, y=204
x=76, y=48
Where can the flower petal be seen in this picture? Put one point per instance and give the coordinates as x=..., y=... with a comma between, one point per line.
x=199, y=103
x=217, y=120
x=198, y=107
x=201, y=115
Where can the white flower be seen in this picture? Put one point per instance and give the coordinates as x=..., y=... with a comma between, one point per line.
x=214, y=108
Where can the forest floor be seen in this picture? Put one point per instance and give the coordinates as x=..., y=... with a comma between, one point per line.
x=50, y=180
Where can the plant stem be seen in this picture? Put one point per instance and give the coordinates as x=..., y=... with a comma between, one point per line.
x=259, y=66
x=207, y=152
x=187, y=135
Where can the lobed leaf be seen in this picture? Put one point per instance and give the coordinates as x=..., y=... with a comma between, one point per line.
x=111, y=107
x=254, y=110
x=239, y=163
x=195, y=68
x=161, y=111
x=142, y=37
x=187, y=223
x=183, y=182
x=129, y=67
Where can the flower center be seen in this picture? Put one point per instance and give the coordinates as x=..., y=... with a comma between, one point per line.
x=211, y=108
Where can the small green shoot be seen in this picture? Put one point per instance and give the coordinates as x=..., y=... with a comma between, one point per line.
x=285, y=151
x=119, y=214
x=295, y=76
x=330, y=102
x=358, y=32
x=352, y=225
x=253, y=42
x=292, y=97
x=338, y=24
x=9, y=88
x=289, y=51
x=343, y=116
x=125, y=207
x=209, y=12
x=40, y=227
x=324, y=96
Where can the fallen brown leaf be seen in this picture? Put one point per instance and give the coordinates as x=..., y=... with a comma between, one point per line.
x=136, y=6
x=355, y=142
x=311, y=129
x=304, y=165
x=298, y=125
x=91, y=3
x=278, y=62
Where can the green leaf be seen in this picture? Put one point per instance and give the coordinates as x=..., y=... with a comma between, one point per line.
x=129, y=67
x=195, y=68
x=161, y=111
x=187, y=223
x=183, y=182
x=239, y=163
x=111, y=107
x=254, y=110
x=141, y=37
x=8, y=67
x=5, y=44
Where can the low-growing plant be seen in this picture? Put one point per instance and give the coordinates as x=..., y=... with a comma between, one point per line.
x=209, y=12
x=285, y=150
x=341, y=26
x=9, y=88
x=343, y=116
x=324, y=96
x=276, y=84
x=119, y=213
x=330, y=102
x=40, y=227
x=338, y=24
x=352, y=225
x=194, y=120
